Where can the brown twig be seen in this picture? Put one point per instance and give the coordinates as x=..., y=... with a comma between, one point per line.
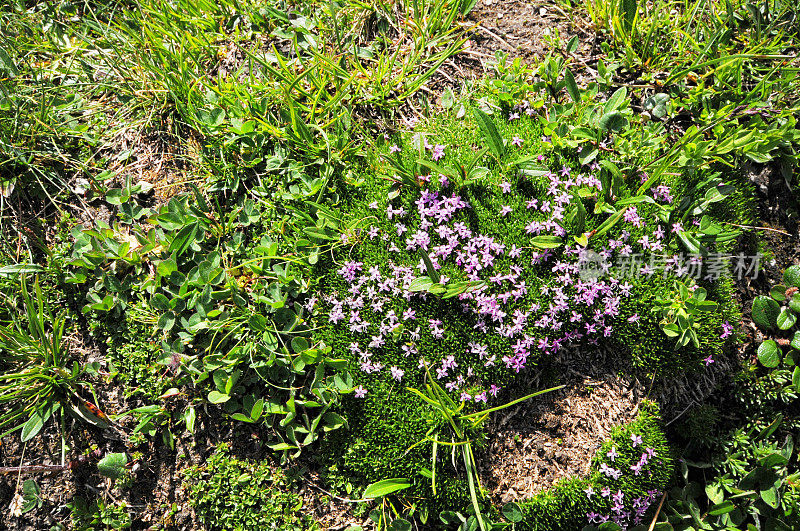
x=42, y=469
x=756, y=228
x=498, y=38
x=655, y=517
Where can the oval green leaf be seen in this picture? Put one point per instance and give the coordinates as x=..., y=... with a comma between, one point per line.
x=765, y=312
x=385, y=486
x=769, y=354
x=786, y=319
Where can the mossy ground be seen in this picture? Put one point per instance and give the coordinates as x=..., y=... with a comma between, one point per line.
x=390, y=420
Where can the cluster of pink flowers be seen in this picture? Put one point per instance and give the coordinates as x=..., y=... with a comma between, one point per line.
x=574, y=308
x=619, y=514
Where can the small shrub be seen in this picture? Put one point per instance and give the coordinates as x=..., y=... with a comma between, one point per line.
x=228, y=493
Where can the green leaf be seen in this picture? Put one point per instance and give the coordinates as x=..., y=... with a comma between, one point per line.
x=399, y=524
x=215, y=397
x=281, y=447
x=113, y=465
x=333, y=421
x=448, y=98
x=630, y=9
x=490, y=133
x=546, y=242
x=612, y=121
x=31, y=496
x=15, y=269
x=769, y=430
x=572, y=87
x=432, y=273
x=771, y=497
x=385, y=486
x=241, y=418
x=615, y=101
x=795, y=342
x=796, y=378
x=786, y=319
x=190, y=416
x=572, y=45
x=778, y=292
x=512, y=512
x=420, y=284
x=160, y=302
x=715, y=493
x=184, y=239
x=791, y=277
x=765, y=312
x=794, y=302
x=657, y=104
x=769, y=354
x=721, y=508
x=299, y=344
x=32, y=427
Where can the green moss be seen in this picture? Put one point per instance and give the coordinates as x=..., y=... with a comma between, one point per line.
x=385, y=438
x=565, y=505
x=228, y=493
x=133, y=359
x=369, y=450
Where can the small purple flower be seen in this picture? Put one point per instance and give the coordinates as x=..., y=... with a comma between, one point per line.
x=438, y=152
x=709, y=360
x=636, y=440
x=397, y=373
x=612, y=454
x=505, y=186
x=394, y=149
x=360, y=392
x=517, y=141
x=505, y=210
x=589, y=492
x=727, y=330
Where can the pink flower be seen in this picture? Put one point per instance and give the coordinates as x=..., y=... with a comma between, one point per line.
x=727, y=330
x=394, y=149
x=709, y=360
x=612, y=454
x=505, y=210
x=517, y=141
x=397, y=373
x=360, y=392
x=438, y=152
x=636, y=440
x=505, y=186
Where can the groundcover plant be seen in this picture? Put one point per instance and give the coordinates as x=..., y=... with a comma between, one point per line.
x=468, y=283
x=421, y=264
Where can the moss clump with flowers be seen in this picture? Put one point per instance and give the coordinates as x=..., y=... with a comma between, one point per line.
x=625, y=481
x=476, y=247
